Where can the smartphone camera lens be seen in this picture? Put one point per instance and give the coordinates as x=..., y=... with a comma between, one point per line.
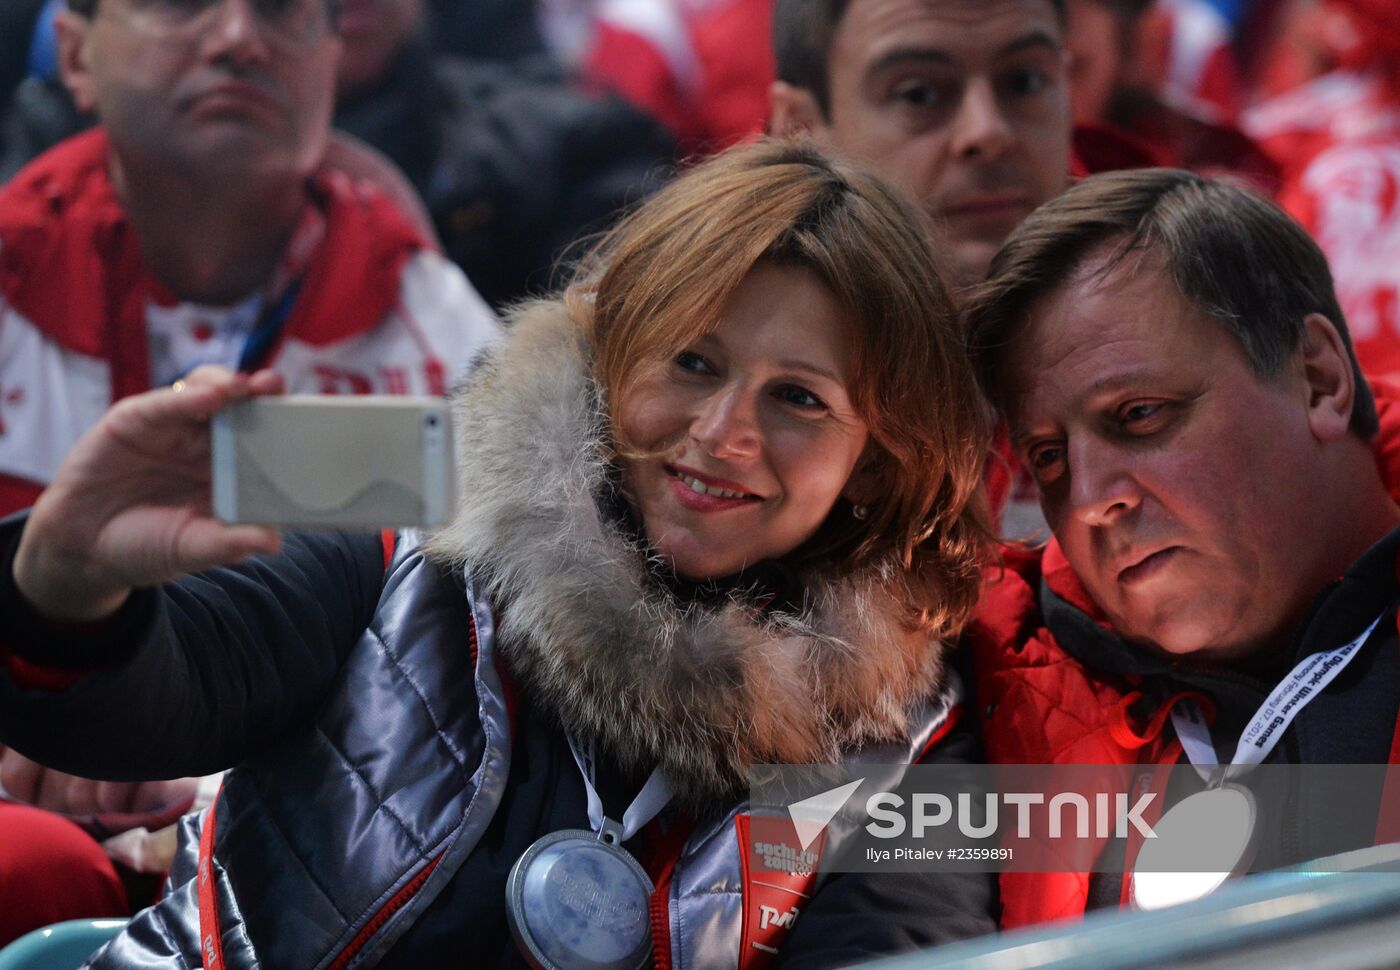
x=432, y=421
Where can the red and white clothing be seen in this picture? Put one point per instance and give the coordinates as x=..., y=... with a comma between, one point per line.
x=1189, y=48
x=360, y=304
x=1338, y=140
x=700, y=67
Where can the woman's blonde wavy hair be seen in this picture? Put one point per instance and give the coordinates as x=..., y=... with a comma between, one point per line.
x=662, y=277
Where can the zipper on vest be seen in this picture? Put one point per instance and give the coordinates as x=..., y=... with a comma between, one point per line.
x=662, y=853
x=661, y=925
x=376, y=923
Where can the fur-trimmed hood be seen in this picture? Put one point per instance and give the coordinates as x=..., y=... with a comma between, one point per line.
x=597, y=641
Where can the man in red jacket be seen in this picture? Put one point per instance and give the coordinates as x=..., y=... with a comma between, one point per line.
x=1176, y=372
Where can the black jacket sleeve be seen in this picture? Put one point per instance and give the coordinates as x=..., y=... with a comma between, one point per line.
x=195, y=676
x=858, y=916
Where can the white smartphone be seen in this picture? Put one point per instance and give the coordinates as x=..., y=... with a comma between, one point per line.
x=332, y=462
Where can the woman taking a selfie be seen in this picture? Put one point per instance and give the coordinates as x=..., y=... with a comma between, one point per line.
x=715, y=510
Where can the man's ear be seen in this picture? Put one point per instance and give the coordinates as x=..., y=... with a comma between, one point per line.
x=1331, y=382
x=72, y=30
x=793, y=110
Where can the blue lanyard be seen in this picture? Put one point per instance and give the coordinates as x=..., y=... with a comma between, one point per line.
x=259, y=343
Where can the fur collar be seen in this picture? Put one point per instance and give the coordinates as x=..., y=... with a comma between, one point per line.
x=597, y=642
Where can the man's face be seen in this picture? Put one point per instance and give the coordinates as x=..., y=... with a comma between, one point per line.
x=242, y=88
x=1176, y=480
x=963, y=103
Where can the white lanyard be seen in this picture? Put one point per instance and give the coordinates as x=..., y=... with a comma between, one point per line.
x=1264, y=730
x=654, y=796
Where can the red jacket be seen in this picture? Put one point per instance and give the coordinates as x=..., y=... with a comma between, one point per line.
x=1337, y=141
x=376, y=309
x=701, y=69
x=1040, y=705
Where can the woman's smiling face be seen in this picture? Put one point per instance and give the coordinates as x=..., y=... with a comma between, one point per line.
x=756, y=434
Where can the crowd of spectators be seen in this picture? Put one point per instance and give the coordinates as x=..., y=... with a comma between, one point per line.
x=437, y=162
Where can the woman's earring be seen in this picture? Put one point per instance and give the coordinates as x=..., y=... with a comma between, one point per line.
x=861, y=512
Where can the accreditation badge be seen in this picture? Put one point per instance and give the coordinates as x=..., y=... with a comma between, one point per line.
x=579, y=901
x=1220, y=822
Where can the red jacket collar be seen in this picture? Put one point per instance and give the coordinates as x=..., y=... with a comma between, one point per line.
x=1065, y=583
x=70, y=262
x=1104, y=148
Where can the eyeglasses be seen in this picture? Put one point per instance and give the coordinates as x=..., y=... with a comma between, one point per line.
x=292, y=21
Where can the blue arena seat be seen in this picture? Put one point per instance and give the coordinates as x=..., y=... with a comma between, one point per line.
x=62, y=946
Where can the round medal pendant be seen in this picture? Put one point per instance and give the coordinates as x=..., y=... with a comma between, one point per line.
x=577, y=902
x=1216, y=826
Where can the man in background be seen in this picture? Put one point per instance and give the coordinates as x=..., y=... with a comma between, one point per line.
x=511, y=162
x=965, y=104
x=962, y=103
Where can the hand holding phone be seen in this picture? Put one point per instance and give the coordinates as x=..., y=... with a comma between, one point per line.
x=130, y=504
x=357, y=463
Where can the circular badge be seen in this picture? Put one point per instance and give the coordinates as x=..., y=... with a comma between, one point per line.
x=576, y=902
x=1215, y=829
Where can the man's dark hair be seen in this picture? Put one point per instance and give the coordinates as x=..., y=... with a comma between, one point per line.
x=1239, y=260
x=802, y=35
